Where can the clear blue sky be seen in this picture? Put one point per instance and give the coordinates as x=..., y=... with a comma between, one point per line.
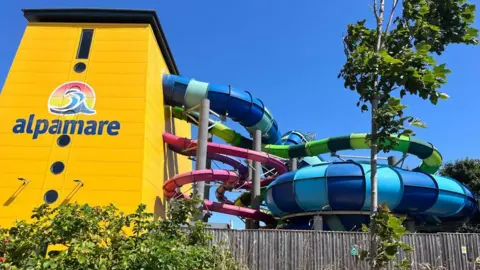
x=288, y=54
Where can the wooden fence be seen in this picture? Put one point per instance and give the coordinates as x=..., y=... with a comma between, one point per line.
x=281, y=249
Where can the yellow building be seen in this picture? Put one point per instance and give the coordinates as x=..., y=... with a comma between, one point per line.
x=82, y=113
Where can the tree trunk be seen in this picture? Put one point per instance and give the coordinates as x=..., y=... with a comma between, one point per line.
x=373, y=183
x=373, y=161
x=374, y=144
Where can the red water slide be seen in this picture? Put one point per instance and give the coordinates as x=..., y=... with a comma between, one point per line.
x=228, y=177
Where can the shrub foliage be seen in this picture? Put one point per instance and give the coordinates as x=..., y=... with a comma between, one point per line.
x=77, y=236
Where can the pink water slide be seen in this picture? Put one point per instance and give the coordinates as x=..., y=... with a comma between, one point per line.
x=171, y=186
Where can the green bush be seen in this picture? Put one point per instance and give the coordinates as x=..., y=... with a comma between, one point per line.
x=77, y=236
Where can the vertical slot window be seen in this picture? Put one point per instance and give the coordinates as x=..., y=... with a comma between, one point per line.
x=85, y=44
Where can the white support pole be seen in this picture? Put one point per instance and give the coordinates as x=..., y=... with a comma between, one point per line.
x=248, y=222
x=318, y=223
x=257, y=171
x=293, y=164
x=206, y=193
x=202, y=142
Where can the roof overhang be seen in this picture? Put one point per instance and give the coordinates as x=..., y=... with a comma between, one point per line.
x=94, y=15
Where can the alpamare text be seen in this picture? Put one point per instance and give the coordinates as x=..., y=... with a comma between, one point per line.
x=42, y=126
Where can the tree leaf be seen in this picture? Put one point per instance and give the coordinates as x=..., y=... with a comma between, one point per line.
x=443, y=96
x=472, y=32
x=373, y=60
x=423, y=47
x=389, y=59
x=429, y=78
x=391, y=250
x=434, y=27
x=417, y=123
x=407, y=132
x=441, y=70
x=424, y=9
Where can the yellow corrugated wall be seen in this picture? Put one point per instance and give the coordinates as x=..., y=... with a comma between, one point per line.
x=125, y=69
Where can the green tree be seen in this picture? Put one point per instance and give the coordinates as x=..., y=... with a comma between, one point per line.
x=396, y=58
x=466, y=171
x=83, y=237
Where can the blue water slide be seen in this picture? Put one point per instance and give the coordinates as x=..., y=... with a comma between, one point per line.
x=296, y=137
x=345, y=186
x=237, y=104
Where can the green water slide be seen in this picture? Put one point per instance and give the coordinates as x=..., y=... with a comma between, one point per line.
x=430, y=156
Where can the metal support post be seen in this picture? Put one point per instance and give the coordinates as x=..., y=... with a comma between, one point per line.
x=410, y=224
x=318, y=223
x=293, y=164
x=257, y=167
x=392, y=160
x=206, y=194
x=202, y=142
x=248, y=222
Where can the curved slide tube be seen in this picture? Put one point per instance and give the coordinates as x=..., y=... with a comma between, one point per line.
x=240, y=212
x=266, y=159
x=218, y=129
x=261, y=157
x=242, y=169
x=432, y=159
x=236, y=139
x=244, y=199
x=296, y=137
x=239, y=105
x=341, y=186
x=220, y=175
x=225, y=176
x=235, y=164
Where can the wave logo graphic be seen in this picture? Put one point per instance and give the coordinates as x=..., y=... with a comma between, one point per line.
x=72, y=98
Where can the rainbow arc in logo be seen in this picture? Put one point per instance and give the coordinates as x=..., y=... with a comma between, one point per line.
x=72, y=98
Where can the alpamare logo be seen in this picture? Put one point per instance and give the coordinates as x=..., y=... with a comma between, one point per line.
x=68, y=100
x=72, y=98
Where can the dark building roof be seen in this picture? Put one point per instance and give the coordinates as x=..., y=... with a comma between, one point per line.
x=93, y=15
